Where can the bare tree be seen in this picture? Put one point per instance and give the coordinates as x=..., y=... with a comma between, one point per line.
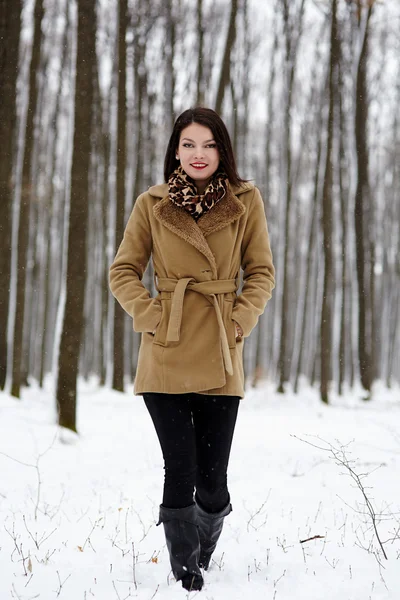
x=10, y=25
x=363, y=217
x=327, y=221
x=170, y=43
x=316, y=133
x=225, y=72
x=200, y=69
x=46, y=340
x=26, y=198
x=79, y=199
x=292, y=23
x=119, y=315
x=345, y=354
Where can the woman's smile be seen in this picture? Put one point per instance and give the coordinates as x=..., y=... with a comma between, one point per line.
x=198, y=154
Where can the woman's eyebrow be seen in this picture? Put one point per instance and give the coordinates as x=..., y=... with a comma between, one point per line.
x=189, y=140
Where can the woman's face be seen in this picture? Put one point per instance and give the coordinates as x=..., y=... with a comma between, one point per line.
x=198, y=154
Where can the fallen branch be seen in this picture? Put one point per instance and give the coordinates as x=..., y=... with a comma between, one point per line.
x=314, y=537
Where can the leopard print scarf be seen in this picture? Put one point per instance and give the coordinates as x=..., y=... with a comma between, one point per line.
x=183, y=192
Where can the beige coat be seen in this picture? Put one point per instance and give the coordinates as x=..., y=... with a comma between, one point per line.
x=197, y=265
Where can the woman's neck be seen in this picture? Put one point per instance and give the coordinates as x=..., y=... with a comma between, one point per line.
x=201, y=186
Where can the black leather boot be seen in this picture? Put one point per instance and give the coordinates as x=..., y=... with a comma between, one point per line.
x=210, y=527
x=182, y=537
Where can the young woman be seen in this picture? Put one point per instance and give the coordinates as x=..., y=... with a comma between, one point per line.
x=200, y=228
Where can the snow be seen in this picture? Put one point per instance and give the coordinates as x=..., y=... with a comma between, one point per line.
x=97, y=500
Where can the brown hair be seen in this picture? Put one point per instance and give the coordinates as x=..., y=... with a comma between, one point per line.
x=207, y=118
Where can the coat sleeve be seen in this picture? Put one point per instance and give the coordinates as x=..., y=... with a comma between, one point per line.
x=258, y=269
x=127, y=270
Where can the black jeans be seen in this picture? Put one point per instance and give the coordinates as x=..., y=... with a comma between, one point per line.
x=195, y=433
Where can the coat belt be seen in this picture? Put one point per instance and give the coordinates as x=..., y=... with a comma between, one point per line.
x=209, y=289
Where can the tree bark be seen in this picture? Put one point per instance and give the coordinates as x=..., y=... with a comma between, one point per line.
x=327, y=223
x=305, y=321
x=345, y=353
x=170, y=41
x=200, y=70
x=364, y=222
x=140, y=92
x=26, y=197
x=79, y=200
x=291, y=45
x=225, y=74
x=119, y=315
x=10, y=25
x=49, y=283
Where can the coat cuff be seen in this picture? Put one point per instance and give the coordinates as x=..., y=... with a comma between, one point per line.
x=245, y=321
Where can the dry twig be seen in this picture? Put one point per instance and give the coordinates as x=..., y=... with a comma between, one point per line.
x=340, y=458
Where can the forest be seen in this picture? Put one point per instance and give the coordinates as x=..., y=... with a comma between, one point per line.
x=310, y=91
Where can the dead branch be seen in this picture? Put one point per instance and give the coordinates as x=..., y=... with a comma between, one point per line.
x=314, y=537
x=341, y=459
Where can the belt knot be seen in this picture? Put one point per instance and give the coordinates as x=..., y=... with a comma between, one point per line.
x=209, y=289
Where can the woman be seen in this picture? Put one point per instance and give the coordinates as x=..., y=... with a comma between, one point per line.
x=199, y=227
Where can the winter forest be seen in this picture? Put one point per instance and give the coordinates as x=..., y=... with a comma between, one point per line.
x=310, y=93
x=310, y=90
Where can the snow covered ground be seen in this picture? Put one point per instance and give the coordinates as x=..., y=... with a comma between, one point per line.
x=78, y=513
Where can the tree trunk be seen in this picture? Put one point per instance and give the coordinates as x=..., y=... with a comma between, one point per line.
x=200, y=70
x=49, y=284
x=26, y=197
x=140, y=88
x=364, y=223
x=79, y=200
x=106, y=154
x=268, y=174
x=10, y=25
x=291, y=24
x=305, y=322
x=119, y=315
x=169, y=55
x=327, y=225
x=225, y=74
x=345, y=312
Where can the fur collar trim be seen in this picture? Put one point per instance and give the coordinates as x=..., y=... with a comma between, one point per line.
x=180, y=222
x=225, y=212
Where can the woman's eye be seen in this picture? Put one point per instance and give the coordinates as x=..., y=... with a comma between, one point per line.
x=187, y=145
x=211, y=146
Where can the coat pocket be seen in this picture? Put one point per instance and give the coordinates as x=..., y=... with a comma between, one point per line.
x=160, y=336
x=228, y=322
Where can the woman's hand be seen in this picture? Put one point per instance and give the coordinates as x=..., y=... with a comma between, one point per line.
x=239, y=331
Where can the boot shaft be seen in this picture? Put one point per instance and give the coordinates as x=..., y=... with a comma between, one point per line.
x=183, y=543
x=210, y=527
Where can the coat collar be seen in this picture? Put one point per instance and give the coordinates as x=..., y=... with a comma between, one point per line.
x=179, y=221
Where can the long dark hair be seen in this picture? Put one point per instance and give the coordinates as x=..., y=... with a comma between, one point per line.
x=207, y=118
